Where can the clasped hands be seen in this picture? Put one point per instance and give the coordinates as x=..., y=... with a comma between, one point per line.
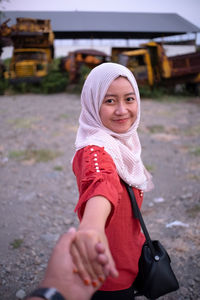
x=92, y=258
x=92, y=263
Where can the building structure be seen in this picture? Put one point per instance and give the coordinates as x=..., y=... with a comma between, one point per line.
x=77, y=26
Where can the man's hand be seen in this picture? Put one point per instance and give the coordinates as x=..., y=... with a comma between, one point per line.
x=60, y=270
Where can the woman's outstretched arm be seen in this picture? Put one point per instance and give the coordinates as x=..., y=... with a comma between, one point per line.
x=90, y=232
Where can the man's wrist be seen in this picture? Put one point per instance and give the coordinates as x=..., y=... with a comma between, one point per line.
x=46, y=293
x=33, y=298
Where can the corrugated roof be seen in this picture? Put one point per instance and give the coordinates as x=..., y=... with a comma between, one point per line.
x=109, y=24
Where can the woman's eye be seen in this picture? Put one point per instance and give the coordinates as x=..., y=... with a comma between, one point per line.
x=129, y=99
x=109, y=101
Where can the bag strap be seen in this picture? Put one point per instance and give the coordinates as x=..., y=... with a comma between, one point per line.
x=138, y=215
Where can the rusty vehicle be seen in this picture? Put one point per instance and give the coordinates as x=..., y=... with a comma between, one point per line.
x=116, y=52
x=151, y=66
x=33, y=51
x=5, y=41
x=82, y=57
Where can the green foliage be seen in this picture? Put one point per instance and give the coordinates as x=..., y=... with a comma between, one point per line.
x=3, y=86
x=22, y=87
x=7, y=63
x=156, y=128
x=155, y=92
x=55, y=65
x=194, y=211
x=63, y=116
x=23, y=123
x=17, y=243
x=169, y=93
x=84, y=71
x=40, y=155
x=54, y=82
x=58, y=168
x=195, y=151
x=150, y=168
x=57, y=81
x=192, y=131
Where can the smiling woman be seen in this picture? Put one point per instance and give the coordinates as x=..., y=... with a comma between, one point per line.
x=108, y=150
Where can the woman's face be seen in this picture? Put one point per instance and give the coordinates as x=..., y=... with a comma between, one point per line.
x=118, y=111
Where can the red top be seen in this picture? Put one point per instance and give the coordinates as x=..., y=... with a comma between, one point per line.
x=96, y=174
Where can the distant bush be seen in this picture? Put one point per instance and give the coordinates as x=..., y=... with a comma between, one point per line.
x=3, y=86
x=54, y=82
x=21, y=87
x=55, y=65
x=7, y=63
x=84, y=71
x=161, y=92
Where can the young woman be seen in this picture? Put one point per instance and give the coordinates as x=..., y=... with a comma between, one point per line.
x=108, y=152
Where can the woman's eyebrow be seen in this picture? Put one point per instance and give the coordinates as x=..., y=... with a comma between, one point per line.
x=113, y=95
x=131, y=93
x=110, y=95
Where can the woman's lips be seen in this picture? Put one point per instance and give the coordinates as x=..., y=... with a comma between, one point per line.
x=121, y=120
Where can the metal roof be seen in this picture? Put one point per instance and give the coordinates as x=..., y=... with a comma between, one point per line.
x=109, y=24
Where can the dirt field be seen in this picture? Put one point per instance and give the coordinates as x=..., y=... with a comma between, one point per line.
x=38, y=189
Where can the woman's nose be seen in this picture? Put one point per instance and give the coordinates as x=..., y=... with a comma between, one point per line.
x=121, y=109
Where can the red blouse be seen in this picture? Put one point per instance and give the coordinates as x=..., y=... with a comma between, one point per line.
x=96, y=175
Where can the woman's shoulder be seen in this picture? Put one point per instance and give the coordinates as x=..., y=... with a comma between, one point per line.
x=93, y=155
x=91, y=151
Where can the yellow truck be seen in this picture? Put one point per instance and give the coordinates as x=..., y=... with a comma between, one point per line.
x=152, y=67
x=33, y=50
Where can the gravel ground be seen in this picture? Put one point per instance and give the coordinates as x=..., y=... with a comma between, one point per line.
x=38, y=189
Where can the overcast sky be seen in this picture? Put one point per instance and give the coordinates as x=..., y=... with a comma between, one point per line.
x=189, y=9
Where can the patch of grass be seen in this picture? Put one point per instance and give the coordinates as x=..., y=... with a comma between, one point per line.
x=40, y=155
x=156, y=128
x=195, y=130
x=194, y=177
x=16, y=154
x=195, y=151
x=23, y=123
x=17, y=243
x=63, y=116
x=193, y=211
x=58, y=168
x=150, y=168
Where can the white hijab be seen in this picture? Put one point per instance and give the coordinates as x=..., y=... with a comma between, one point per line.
x=124, y=148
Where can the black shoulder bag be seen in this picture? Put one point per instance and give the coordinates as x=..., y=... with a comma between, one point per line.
x=156, y=277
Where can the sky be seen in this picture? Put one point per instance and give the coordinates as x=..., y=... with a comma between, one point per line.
x=189, y=9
